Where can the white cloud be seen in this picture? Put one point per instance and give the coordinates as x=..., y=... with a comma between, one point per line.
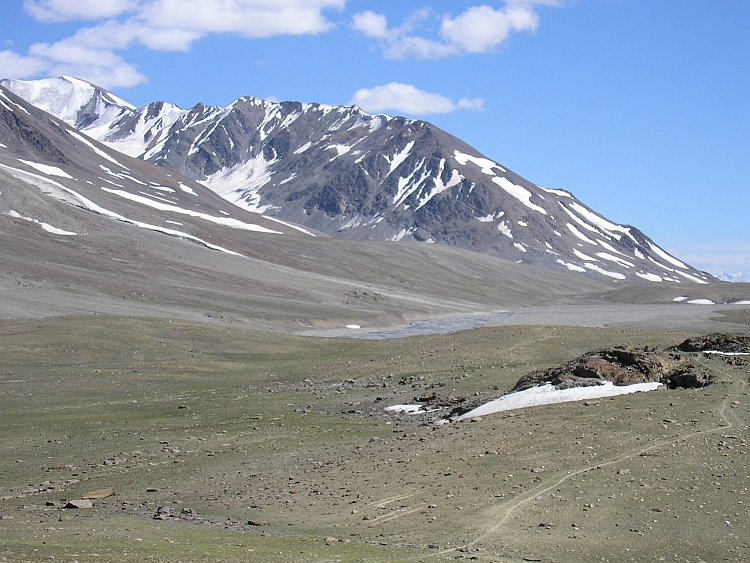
x=407, y=99
x=477, y=30
x=167, y=25
x=66, y=10
x=17, y=66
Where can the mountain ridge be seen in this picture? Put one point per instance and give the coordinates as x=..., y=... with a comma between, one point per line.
x=340, y=171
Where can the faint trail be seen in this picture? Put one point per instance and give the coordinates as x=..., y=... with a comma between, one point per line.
x=391, y=499
x=389, y=517
x=503, y=512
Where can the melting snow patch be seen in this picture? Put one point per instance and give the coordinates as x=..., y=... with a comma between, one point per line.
x=3, y=146
x=187, y=189
x=353, y=327
x=679, y=299
x=691, y=278
x=667, y=257
x=600, y=222
x=602, y=271
x=579, y=234
x=45, y=226
x=505, y=229
x=398, y=158
x=615, y=259
x=547, y=394
x=409, y=409
x=583, y=256
x=46, y=169
x=303, y=148
x=649, y=277
x=520, y=193
x=741, y=303
x=226, y=221
x=561, y=193
x=519, y=246
x=97, y=150
x=484, y=163
x=486, y=219
x=572, y=267
x=701, y=302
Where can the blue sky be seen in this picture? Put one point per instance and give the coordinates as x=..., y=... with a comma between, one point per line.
x=641, y=108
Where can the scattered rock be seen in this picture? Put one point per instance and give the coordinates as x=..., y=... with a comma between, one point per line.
x=99, y=494
x=162, y=513
x=257, y=523
x=79, y=504
x=688, y=377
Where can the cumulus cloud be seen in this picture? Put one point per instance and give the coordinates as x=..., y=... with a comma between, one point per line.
x=17, y=66
x=479, y=29
x=167, y=25
x=66, y=10
x=407, y=99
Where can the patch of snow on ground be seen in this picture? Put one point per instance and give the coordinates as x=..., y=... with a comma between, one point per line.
x=97, y=150
x=187, y=189
x=667, y=257
x=486, y=219
x=741, y=303
x=561, y=193
x=583, y=256
x=225, y=221
x=47, y=227
x=680, y=299
x=484, y=163
x=46, y=169
x=61, y=193
x=572, y=228
x=519, y=246
x=547, y=395
x=505, y=229
x=604, y=272
x=726, y=353
x=399, y=157
x=440, y=187
x=240, y=183
x=572, y=267
x=303, y=148
x=409, y=409
x=520, y=193
x=701, y=302
x=3, y=146
x=649, y=277
x=290, y=225
x=691, y=278
x=353, y=327
x=615, y=259
x=598, y=221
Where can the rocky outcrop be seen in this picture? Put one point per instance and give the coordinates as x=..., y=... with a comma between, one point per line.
x=621, y=366
x=627, y=365
x=730, y=343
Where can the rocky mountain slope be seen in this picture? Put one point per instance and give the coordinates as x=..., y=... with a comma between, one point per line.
x=337, y=170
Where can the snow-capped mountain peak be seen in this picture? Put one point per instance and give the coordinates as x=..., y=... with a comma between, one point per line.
x=338, y=170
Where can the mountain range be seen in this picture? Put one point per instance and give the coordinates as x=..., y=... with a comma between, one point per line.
x=337, y=171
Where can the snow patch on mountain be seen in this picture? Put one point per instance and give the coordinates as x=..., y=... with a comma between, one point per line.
x=241, y=183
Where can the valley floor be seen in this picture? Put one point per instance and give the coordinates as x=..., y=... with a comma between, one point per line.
x=257, y=446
